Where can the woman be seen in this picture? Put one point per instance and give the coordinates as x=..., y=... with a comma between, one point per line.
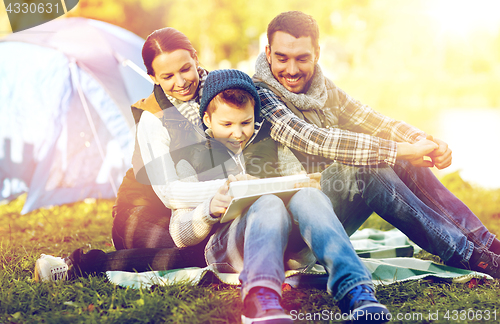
x=167, y=122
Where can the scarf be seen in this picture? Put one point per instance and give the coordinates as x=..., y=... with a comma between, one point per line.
x=191, y=109
x=314, y=98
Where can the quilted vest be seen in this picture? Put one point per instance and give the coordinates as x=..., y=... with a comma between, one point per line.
x=136, y=190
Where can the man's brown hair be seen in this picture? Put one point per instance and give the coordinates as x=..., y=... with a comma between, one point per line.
x=295, y=23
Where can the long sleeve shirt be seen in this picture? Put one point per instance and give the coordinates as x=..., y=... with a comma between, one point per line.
x=154, y=143
x=362, y=137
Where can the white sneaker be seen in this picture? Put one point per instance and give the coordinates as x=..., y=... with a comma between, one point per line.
x=51, y=268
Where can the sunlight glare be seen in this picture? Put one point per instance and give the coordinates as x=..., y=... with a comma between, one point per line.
x=461, y=17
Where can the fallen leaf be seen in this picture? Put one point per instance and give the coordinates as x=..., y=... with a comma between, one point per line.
x=473, y=283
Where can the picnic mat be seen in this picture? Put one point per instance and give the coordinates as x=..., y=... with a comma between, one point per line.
x=387, y=254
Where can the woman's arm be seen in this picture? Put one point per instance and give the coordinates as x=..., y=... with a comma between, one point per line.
x=191, y=226
x=154, y=142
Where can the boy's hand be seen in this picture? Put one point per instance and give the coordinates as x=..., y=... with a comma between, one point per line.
x=314, y=181
x=315, y=176
x=240, y=177
x=220, y=201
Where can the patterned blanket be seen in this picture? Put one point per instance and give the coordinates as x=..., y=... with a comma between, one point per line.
x=388, y=255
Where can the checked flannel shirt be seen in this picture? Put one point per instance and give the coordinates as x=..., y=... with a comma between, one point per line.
x=363, y=136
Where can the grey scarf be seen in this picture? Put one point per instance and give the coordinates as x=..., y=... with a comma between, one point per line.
x=314, y=98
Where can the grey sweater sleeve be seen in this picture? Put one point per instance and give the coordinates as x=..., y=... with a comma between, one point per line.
x=189, y=226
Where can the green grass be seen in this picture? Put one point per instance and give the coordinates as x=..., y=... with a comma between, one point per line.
x=61, y=229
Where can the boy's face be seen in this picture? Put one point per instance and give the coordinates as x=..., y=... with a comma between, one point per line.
x=232, y=126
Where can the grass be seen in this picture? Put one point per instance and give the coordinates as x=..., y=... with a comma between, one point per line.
x=61, y=229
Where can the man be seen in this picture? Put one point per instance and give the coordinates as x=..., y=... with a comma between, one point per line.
x=369, y=162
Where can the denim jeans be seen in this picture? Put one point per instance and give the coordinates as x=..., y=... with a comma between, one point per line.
x=410, y=198
x=258, y=243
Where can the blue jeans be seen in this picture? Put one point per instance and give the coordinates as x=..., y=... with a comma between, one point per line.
x=410, y=198
x=258, y=243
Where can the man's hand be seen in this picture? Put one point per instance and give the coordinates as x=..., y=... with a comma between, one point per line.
x=314, y=181
x=414, y=153
x=441, y=157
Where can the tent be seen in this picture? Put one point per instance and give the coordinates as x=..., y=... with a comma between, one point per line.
x=66, y=130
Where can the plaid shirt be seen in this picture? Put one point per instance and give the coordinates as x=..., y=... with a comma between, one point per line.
x=363, y=136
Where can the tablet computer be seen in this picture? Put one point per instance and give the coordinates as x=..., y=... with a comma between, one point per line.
x=246, y=192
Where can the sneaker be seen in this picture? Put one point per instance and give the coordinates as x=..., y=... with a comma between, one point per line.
x=262, y=306
x=485, y=261
x=362, y=306
x=50, y=268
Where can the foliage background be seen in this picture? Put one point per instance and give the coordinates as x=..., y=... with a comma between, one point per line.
x=424, y=54
x=398, y=56
x=414, y=60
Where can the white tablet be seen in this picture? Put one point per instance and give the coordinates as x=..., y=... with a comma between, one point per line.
x=246, y=192
x=261, y=186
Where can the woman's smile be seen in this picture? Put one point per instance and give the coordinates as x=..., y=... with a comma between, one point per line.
x=176, y=72
x=185, y=91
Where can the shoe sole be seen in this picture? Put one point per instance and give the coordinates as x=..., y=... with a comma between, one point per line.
x=52, y=275
x=371, y=313
x=38, y=276
x=276, y=319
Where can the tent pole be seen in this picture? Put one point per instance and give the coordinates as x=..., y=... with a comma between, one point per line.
x=72, y=65
x=132, y=65
x=64, y=6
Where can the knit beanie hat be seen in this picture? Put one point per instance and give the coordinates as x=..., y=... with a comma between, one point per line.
x=220, y=80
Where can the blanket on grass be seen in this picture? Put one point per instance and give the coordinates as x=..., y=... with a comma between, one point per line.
x=388, y=255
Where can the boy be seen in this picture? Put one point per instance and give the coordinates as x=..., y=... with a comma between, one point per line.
x=258, y=243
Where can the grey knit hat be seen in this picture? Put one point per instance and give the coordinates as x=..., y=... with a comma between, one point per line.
x=220, y=80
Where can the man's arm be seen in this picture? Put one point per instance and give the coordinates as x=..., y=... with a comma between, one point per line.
x=340, y=145
x=356, y=117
